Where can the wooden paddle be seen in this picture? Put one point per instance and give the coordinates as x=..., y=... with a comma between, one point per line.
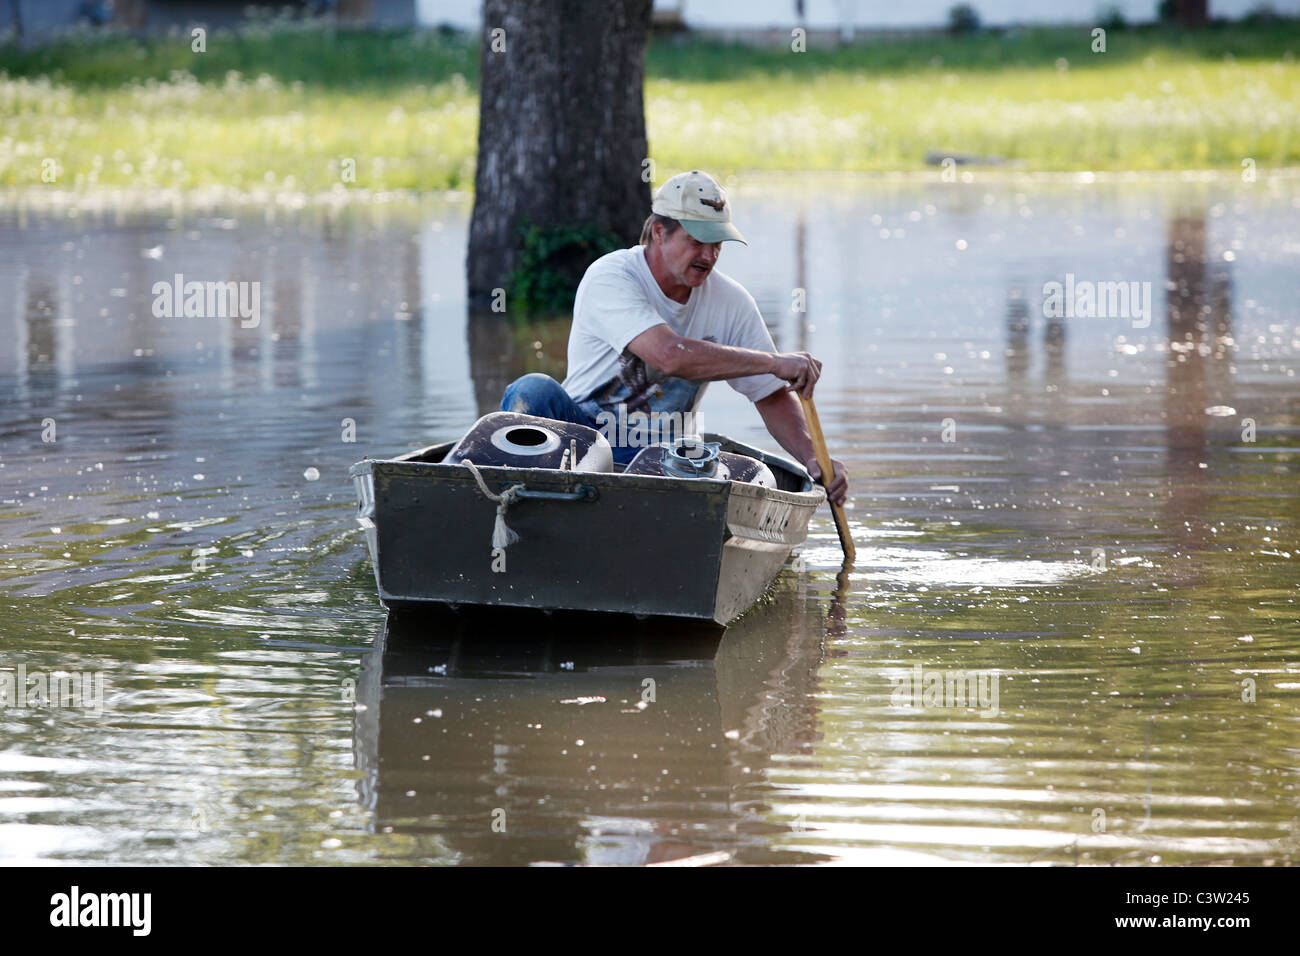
x=828, y=475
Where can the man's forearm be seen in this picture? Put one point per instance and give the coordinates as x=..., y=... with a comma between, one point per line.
x=783, y=416
x=699, y=361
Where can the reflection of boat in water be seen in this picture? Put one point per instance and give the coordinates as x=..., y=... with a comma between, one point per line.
x=512, y=738
x=647, y=540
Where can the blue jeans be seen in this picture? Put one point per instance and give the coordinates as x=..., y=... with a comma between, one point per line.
x=541, y=395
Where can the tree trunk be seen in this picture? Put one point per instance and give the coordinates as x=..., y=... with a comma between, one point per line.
x=130, y=14
x=1192, y=13
x=354, y=12
x=561, y=138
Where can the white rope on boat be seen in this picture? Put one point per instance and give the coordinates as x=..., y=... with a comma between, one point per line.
x=502, y=535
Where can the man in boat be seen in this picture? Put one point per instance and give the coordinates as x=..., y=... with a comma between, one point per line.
x=654, y=324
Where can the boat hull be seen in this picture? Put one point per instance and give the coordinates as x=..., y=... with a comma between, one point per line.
x=632, y=544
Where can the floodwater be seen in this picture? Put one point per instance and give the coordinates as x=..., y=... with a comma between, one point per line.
x=1086, y=523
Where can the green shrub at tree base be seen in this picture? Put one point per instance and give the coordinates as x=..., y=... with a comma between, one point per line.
x=552, y=264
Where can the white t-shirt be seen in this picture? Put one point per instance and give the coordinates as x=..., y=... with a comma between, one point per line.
x=618, y=299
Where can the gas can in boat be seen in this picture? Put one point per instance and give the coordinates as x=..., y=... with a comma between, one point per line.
x=509, y=439
x=695, y=458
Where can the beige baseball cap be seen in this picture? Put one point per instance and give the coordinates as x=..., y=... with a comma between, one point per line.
x=697, y=201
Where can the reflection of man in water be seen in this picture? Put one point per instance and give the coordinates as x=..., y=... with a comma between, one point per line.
x=654, y=324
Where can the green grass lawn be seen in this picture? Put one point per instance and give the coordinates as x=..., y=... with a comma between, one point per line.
x=283, y=107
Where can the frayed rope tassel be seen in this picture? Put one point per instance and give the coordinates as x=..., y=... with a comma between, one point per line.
x=503, y=536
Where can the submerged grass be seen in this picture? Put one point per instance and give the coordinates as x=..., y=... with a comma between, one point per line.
x=287, y=107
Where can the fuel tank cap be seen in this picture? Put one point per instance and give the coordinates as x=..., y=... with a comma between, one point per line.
x=691, y=457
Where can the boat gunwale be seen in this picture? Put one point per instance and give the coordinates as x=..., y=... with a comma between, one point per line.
x=411, y=464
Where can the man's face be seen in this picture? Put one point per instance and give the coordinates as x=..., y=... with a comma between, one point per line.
x=688, y=260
